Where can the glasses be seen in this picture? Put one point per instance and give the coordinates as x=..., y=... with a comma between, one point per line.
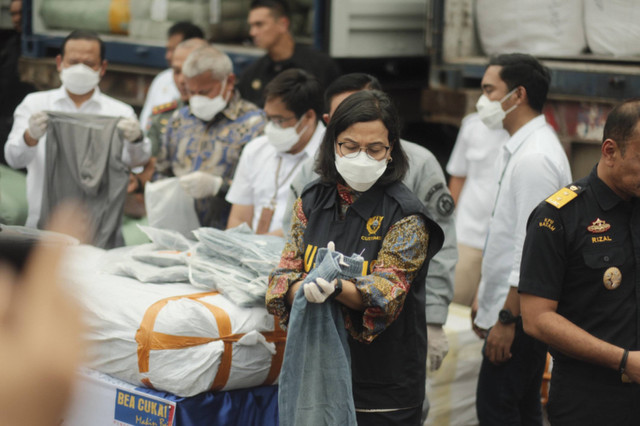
x=375, y=151
x=279, y=121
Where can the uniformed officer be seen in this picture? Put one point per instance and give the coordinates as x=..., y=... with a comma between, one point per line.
x=580, y=283
x=269, y=27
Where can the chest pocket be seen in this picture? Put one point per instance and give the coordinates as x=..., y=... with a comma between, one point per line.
x=602, y=259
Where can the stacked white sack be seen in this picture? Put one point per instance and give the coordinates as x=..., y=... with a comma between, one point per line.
x=114, y=310
x=539, y=27
x=613, y=27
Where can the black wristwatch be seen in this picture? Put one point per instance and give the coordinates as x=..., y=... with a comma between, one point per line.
x=506, y=317
x=338, y=289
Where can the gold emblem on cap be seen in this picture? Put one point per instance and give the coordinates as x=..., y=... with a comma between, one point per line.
x=612, y=278
x=598, y=226
x=256, y=84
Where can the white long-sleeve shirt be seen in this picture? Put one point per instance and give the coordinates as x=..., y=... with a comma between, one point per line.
x=19, y=155
x=473, y=157
x=255, y=178
x=531, y=166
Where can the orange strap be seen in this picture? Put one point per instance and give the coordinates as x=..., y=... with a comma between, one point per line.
x=149, y=340
x=279, y=337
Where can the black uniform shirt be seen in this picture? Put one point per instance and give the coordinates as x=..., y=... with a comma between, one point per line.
x=262, y=71
x=576, y=254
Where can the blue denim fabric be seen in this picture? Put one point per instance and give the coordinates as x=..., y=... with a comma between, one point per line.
x=315, y=380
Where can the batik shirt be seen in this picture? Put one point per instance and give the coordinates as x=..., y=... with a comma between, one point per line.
x=214, y=147
x=403, y=251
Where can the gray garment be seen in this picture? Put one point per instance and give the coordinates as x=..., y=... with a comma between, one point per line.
x=84, y=163
x=426, y=179
x=315, y=385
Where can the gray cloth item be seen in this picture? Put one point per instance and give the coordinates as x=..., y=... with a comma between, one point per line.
x=84, y=162
x=315, y=381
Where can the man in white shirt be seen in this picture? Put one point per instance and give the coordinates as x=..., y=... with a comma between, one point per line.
x=473, y=186
x=268, y=164
x=163, y=89
x=81, y=64
x=531, y=166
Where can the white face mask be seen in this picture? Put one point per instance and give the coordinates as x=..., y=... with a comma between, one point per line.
x=283, y=139
x=205, y=108
x=491, y=112
x=362, y=172
x=79, y=79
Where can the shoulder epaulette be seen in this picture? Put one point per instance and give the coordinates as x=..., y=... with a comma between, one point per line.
x=564, y=195
x=169, y=106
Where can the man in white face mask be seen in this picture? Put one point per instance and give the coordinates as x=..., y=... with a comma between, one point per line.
x=269, y=163
x=531, y=166
x=203, y=140
x=81, y=64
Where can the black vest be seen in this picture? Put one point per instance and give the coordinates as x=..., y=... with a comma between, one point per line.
x=390, y=372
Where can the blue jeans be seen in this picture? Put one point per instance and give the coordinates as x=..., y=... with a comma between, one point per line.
x=509, y=394
x=315, y=385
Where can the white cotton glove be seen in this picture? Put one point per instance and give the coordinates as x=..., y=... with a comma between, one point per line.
x=319, y=290
x=130, y=129
x=38, y=124
x=438, y=346
x=201, y=184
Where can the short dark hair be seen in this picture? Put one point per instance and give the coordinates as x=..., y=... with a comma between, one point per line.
x=352, y=82
x=84, y=35
x=361, y=107
x=519, y=69
x=622, y=122
x=186, y=29
x=278, y=8
x=299, y=90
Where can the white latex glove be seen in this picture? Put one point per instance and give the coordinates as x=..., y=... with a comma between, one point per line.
x=130, y=129
x=38, y=124
x=201, y=184
x=319, y=290
x=438, y=346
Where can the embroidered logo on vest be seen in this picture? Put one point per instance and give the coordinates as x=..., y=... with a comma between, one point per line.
x=373, y=226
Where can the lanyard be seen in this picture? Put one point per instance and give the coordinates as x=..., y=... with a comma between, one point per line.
x=273, y=203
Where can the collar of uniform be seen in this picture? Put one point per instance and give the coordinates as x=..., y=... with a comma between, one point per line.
x=606, y=198
x=367, y=201
x=62, y=95
x=518, y=138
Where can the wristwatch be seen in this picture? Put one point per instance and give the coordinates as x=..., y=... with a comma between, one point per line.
x=338, y=289
x=506, y=317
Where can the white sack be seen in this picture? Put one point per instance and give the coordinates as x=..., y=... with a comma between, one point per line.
x=537, y=27
x=114, y=308
x=613, y=27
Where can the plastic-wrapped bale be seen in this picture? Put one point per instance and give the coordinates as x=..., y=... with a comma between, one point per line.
x=104, y=16
x=613, y=27
x=538, y=27
x=173, y=338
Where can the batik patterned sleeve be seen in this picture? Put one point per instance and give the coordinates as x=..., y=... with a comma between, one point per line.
x=290, y=269
x=403, y=251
